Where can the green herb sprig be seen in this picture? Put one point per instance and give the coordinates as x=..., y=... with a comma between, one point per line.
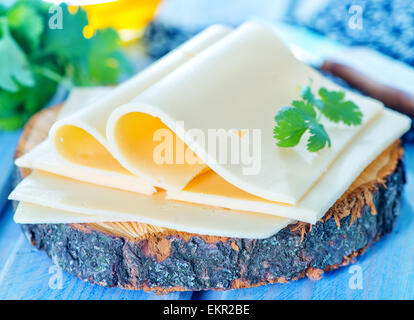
x=35, y=59
x=305, y=114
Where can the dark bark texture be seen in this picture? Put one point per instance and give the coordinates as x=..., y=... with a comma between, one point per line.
x=196, y=263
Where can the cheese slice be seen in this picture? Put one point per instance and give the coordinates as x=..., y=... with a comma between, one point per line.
x=44, y=157
x=51, y=191
x=211, y=189
x=240, y=82
x=236, y=83
x=29, y=213
x=63, y=194
x=81, y=137
x=81, y=97
x=107, y=145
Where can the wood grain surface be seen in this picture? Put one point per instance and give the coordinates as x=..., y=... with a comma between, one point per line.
x=30, y=138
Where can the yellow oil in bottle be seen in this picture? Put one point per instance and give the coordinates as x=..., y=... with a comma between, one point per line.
x=128, y=17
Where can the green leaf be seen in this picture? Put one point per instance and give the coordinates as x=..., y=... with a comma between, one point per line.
x=13, y=122
x=68, y=43
x=26, y=25
x=319, y=137
x=14, y=66
x=306, y=94
x=290, y=128
x=94, y=61
x=106, y=41
x=17, y=107
x=35, y=59
x=3, y=10
x=307, y=109
x=336, y=109
x=293, y=121
x=35, y=99
x=105, y=61
x=9, y=103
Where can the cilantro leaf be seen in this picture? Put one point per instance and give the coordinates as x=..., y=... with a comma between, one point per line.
x=35, y=59
x=336, y=109
x=26, y=26
x=68, y=43
x=94, y=61
x=303, y=115
x=14, y=65
x=306, y=109
x=33, y=98
x=307, y=94
x=293, y=122
x=105, y=60
x=3, y=10
x=9, y=102
x=13, y=122
x=291, y=127
x=319, y=137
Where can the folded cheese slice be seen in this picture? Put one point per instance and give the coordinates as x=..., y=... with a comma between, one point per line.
x=80, y=137
x=45, y=156
x=59, y=193
x=236, y=82
x=82, y=97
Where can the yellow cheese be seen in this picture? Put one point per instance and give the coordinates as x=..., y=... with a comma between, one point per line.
x=105, y=204
x=81, y=137
x=81, y=97
x=240, y=82
x=44, y=157
x=211, y=189
x=67, y=195
x=29, y=213
x=86, y=158
x=231, y=81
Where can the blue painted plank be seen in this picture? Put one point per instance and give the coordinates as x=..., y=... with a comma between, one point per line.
x=26, y=273
x=387, y=268
x=8, y=142
x=9, y=232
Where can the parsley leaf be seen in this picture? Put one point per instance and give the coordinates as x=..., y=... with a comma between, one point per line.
x=35, y=60
x=12, y=122
x=293, y=121
x=319, y=137
x=291, y=126
x=26, y=26
x=336, y=109
x=14, y=66
x=94, y=61
x=68, y=43
x=307, y=94
x=105, y=61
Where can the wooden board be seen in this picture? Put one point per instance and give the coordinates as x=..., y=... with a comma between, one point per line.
x=387, y=268
x=165, y=260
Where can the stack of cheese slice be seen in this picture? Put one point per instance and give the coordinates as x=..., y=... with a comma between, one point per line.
x=152, y=150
